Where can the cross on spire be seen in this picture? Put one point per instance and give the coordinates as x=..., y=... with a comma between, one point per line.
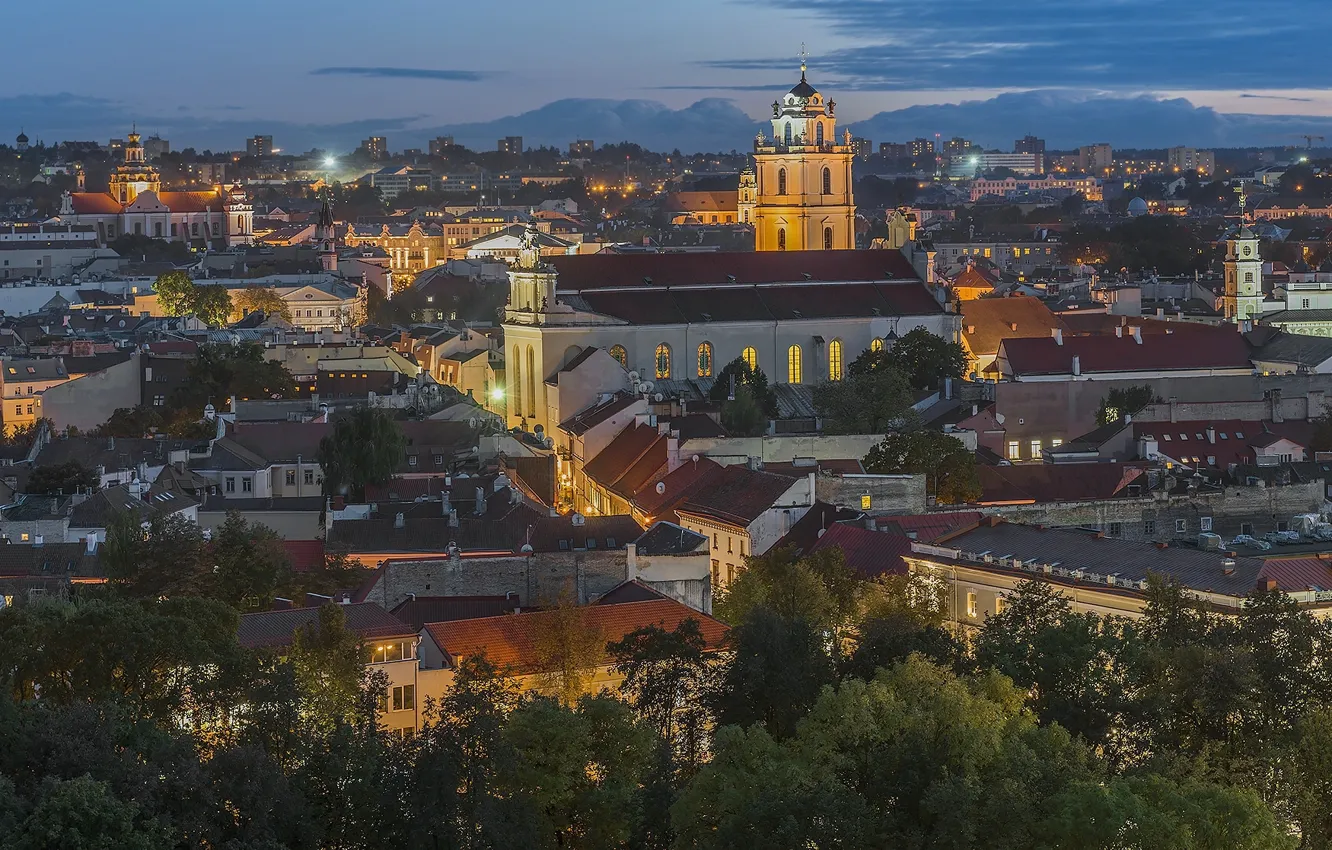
x=804, y=54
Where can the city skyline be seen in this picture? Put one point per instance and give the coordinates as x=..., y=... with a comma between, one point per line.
x=328, y=82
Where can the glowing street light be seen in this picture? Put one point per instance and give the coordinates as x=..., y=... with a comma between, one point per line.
x=497, y=394
x=329, y=162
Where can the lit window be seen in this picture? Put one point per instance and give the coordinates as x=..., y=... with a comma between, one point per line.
x=794, y=371
x=1014, y=450
x=971, y=604
x=621, y=356
x=1035, y=449
x=865, y=502
x=835, y=360
x=705, y=360
x=663, y=361
x=750, y=356
x=781, y=239
x=999, y=602
x=876, y=345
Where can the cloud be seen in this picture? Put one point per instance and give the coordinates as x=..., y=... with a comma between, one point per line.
x=1124, y=44
x=1066, y=119
x=457, y=76
x=1278, y=97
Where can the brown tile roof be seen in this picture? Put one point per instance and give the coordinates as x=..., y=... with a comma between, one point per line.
x=702, y=304
x=869, y=553
x=988, y=321
x=927, y=527
x=620, y=461
x=561, y=533
x=702, y=202
x=1227, y=440
x=583, y=272
x=535, y=477
x=278, y=628
x=191, y=201
x=973, y=278
x=53, y=559
x=419, y=610
x=510, y=641
x=305, y=555
x=1297, y=574
x=1214, y=348
x=583, y=422
x=738, y=496
x=807, y=530
x=676, y=487
x=95, y=203
x=1055, y=482
x=280, y=441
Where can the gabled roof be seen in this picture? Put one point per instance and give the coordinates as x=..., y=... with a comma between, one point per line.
x=419, y=610
x=584, y=272
x=676, y=486
x=53, y=559
x=1215, y=348
x=1055, y=482
x=807, y=530
x=278, y=628
x=667, y=538
x=510, y=642
x=988, y=321
x=927, y=527
x=738, y=496
x=279, y=442
x=869, y=553
x=631, y=459
x=94, y=203
x=583, y=422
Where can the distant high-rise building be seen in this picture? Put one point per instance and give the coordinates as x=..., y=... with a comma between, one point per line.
x=1096, y=159
x=958, y=147
x=1183, y=159
x=440, y=144
x=921, y=147
x=862, y=148
x=376, y=147
x=155, y=146
x=1033, y=145
x=892, y=150
x=259, y=146
x=510, y=144
x=582, y=147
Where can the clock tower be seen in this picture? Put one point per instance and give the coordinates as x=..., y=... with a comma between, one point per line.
x=1244, y=276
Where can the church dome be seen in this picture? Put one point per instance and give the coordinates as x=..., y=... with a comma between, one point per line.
x=803, y=88
x=22, y=138
x=1137, y=206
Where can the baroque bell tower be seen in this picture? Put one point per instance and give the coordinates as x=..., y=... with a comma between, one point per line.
x=1244, y=273
x=804, y=198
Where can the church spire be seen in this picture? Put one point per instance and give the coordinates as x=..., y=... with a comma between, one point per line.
x=804, y=54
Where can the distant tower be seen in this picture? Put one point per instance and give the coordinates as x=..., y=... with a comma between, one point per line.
x=1244, y=273
x=325, y=238
x=748, y=196
x=803, y=199
x=21, y=143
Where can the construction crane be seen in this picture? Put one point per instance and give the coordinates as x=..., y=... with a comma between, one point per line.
x=1309, y=139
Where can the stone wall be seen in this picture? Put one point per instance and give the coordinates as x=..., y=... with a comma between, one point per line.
x=1259, y=507
x=538, y=578
x=889, y=494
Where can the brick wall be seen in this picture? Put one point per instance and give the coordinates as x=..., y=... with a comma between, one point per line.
x=535, y=578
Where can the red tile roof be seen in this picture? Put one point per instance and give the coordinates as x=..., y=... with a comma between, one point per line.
x=675, y=488
x=746, y=267
x=988, y=321
x=620, y=466
x=95, y=203
x=738, y=496
x=702, y=202
x=706, y=303
x=973, y=278
x=184, y=202
x=1297, y=574
x=305, y=555
x=1213, y=348
x=510, y=641
x=1233, y=440
x=869, y=553
x=928, y=527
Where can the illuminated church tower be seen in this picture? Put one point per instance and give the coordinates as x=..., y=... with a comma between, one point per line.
x=1244, y=273
x=135, y=176
x=804, y=200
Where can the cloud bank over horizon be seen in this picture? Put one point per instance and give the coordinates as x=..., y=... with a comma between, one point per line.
x=1064, y=118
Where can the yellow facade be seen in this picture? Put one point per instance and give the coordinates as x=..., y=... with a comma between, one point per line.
x=804, y=199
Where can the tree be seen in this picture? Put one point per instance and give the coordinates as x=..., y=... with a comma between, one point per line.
x=567, y=648
x=249, y=564
x=212, y=305
x=256, y=299
x=743, y=416
x=868, y=401
x=221, y=371
x=365, y=447
x=175, y=293
x=817, y=588
x=80, y=813
x=1122, y=401
x=949, y=469
x=666, y=675
x=165, y=559
x=752, y=378
x=926, y=359
x=61, y=479
x=329, y=664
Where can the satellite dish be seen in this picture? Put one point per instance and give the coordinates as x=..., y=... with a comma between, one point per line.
x=633, y=377
x=658, y=397
x=661, y=487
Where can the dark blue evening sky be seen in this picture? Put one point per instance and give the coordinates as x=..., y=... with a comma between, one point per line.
x=326, y=73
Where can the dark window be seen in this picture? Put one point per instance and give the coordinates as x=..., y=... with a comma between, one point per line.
x=1116, y=529
x=827, y=239
x=827, y=176
x=1149, y=527
x=781, y=181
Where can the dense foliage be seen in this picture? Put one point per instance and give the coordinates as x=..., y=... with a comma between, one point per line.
x=846, y=714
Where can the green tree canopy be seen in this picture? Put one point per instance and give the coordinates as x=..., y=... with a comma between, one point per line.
x=1122, y=401
x=949, y=469
x=365, y=447
x=63, y=478
x=754, y=379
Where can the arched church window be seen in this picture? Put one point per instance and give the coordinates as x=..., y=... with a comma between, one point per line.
x=835, y=360
x=781, y=239
x=818, y=133
x=876, y=345
x=794, y=365
x=516, y=396
x=531, y=382
x=827, y=239
x=621, y=356
x=781, y=181
x=705, y=360
x=750, y=356
x=786, y=135
x=663, y=361
x=827, y=179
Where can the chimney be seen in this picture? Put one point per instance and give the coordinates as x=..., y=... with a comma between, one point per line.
x=90, y=545
x=1137, y=333
x=1012, y=326
x=975, y=408
x=1077, y=365
x=399, y=521
x=1058, y=334
x=1211, y=433
x=1174, y=409
x=480, y=508
x=38, y=540
x=1119, y=331
x=1269, y=585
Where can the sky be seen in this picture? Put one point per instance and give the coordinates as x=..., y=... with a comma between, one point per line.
x=667, y=74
